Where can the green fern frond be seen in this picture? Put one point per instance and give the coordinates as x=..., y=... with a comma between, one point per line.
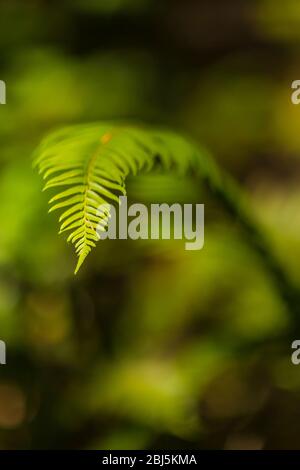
x=88, y=165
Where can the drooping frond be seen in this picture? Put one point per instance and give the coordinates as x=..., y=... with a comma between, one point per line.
x=88, y=165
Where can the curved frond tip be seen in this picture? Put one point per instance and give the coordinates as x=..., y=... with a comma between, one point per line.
x=87, y=166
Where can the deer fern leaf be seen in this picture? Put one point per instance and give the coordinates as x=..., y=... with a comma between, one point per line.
x=87, y=165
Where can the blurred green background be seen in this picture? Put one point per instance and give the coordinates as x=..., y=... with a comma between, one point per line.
x=150, y=346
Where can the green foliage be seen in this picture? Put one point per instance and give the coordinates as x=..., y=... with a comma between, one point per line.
x=88, y=164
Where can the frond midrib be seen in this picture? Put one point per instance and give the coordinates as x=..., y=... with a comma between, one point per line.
x=105, y=139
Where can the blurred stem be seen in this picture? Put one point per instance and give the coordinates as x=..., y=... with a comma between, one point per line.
x=232, y=198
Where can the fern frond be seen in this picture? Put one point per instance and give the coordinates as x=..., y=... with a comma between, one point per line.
x=88, y=165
